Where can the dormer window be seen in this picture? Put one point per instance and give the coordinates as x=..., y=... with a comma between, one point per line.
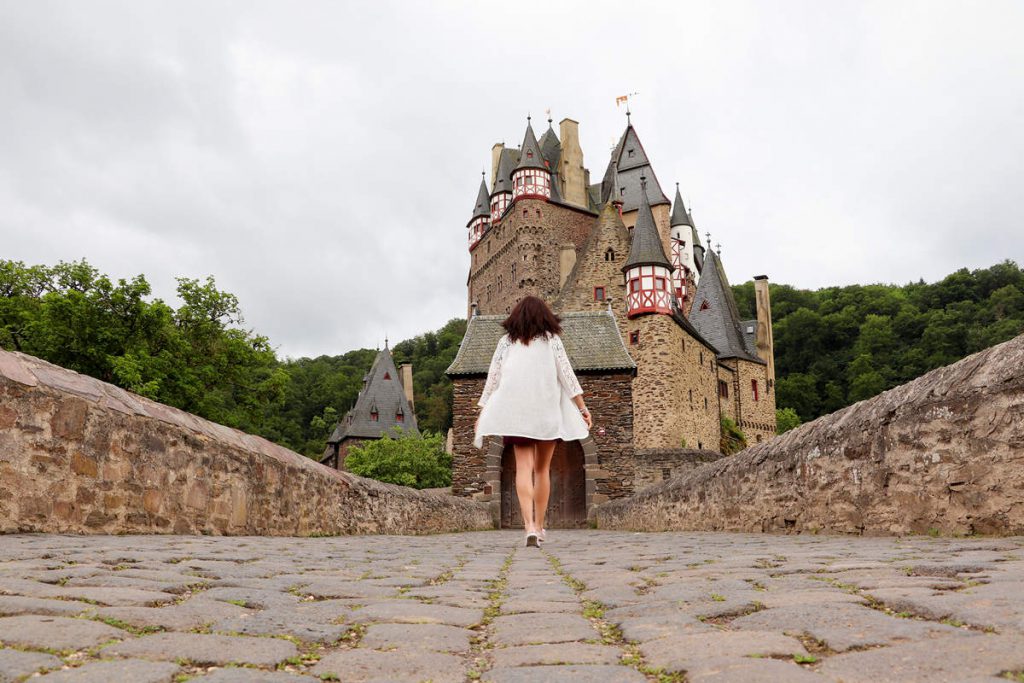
x=630, y=153
x=387, y=375
x=374, y=415
x=704, y=305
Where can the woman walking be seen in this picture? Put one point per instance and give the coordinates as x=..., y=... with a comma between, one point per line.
x=532, y=399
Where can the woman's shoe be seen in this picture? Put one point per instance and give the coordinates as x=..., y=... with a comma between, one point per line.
x=542, y=535
x=531, y=539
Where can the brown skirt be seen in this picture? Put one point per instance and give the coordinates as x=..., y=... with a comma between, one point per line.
x=518, y=441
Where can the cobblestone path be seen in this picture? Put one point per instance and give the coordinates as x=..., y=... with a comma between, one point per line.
x=589, y=606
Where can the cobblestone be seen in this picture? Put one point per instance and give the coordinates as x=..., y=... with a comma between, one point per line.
x=589, y=605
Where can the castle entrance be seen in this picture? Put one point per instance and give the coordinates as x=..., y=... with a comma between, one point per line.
x=567, y=506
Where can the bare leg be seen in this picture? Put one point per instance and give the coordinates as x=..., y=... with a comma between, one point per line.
x=524, y=484
x=542, y=479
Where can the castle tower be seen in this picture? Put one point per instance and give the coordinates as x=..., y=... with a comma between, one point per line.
x=682, y=249
x=531, y=177
x=648, y=271
x=501, y=193
x=481, y=219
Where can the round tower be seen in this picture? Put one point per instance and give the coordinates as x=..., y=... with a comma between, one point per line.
x=481, y=219
x=501, y=196
x=682, y=247
x=531, y=177
x=648, y=271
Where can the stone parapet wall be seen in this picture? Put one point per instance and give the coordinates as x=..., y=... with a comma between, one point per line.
x=81, y=456
x=655, y=465
x=943, y=453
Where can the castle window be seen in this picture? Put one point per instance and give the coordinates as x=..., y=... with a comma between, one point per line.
x=691, y=395
x=387, y=375
x=659, y=284
x=705, y=403
x=399, y=416
x=630, y=153
x=634, y=285
x=753, y=388
x=622, y=193
x=683, y=342
x=723, y=389
x=704, y=305
x=374, y=415
x=702, y=358
x=609, y=254
x=598, y=293
x=634, y=337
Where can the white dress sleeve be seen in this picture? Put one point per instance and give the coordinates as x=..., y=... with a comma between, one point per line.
x=566, y=377
x=494, y=372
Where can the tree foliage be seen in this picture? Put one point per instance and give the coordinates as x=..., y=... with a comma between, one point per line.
x=839, y=345
x=421, y=463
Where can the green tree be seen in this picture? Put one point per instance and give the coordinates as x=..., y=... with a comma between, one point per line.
x=407, y=460
x=733, y=439
x=786, y=419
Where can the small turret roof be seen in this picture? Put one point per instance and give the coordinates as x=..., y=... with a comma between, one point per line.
x=483, y=202
x=646, y=247
x=551, y=148
x=680, y=216
x=506, y=164
x=715, y=314
x=698, y=250
x=530, y=155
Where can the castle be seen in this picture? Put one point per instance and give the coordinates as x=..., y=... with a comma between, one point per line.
x=650, y=323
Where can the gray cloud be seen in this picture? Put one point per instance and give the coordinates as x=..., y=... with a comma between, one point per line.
x=320, y=159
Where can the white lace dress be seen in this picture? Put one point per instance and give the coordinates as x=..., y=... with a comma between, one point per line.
x=529, y=392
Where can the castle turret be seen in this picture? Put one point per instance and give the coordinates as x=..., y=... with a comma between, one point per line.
x=481, y=219
x=682, y=248
x=648, y=271
x=501, y=194
x=531, y=177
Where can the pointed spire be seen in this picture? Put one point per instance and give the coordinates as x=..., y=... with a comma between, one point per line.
x=646, y=248
x=529, y=154
x=506, y=165
x=680, y=216
x=715, y=314
x=482, y=208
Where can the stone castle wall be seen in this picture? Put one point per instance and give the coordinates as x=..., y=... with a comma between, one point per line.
x=943, y=453
x=670, y=374
x=654, y=465
x=520, y=255
x=81, y=456
x=756, y=418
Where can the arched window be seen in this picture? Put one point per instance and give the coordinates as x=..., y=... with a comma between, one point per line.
x=609, y=254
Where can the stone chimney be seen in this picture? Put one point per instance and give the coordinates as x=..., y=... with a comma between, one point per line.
x=566, y=261
x=405, y=374
x=573, y=175
x=765, y=341
x=495, y=158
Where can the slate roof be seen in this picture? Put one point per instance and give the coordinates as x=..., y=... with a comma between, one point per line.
x=698, y=251
x=550, y=147
x=591, y=338
x=483, y=202
x=646, y=247
x=387, y=395
x=680, y=216
x=507, y=161
x=530, y=155
x=630, y=169
x=749, y=330
x=719, y=323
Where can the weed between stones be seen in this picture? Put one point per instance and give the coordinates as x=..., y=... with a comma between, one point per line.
x=480, y=644
x=610, y=634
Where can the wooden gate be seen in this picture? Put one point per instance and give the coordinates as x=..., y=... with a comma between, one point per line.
x=567, y=506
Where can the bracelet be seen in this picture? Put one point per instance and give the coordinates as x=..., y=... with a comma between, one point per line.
x=584, y=411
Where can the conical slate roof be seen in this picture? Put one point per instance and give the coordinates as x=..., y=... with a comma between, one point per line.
x=646, y=247
x=530, y=155
x=483, y=202
x=680, y=216
x=384, y=395
x=698, y=250
x=632, y=164
x=550, y=147
x=506, y=165
x=715, y=314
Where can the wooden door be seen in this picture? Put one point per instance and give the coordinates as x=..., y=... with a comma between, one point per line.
x=567, y=505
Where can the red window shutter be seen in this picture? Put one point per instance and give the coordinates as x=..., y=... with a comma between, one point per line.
x=753, y=388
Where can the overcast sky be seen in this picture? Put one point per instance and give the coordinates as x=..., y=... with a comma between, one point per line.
x=321, y=159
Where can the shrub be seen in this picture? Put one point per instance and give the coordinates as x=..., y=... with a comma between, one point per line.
x=733, y=439
x=786, y=419
x=409, y=460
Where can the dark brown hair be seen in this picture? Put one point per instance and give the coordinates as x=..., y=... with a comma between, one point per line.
x=529, y=318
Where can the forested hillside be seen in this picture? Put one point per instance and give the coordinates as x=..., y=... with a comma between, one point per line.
x=833, y=346
x=838, y=345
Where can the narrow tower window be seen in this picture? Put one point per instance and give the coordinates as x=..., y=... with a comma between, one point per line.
x=634, y=337
x=598, y=293
x=753, y=388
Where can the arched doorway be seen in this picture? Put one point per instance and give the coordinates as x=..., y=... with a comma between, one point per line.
x=567, y=506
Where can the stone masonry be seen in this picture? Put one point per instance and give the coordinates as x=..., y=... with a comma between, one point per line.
x=81, y=456
x=941, y=454
x=588, y=606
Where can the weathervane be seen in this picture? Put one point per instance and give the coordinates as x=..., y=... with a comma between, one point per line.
x=625, y=99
